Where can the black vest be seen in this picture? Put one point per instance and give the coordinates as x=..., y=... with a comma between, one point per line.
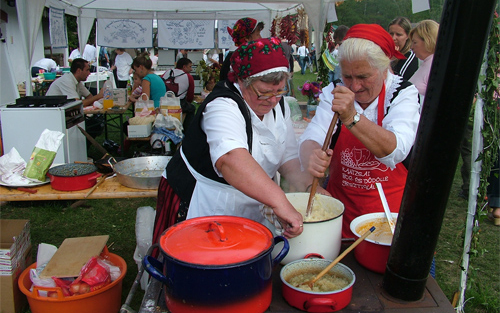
x=195, y=146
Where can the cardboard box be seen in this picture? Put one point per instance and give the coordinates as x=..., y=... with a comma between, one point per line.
x=15, y=248
x=139, y=131
x=120, y=96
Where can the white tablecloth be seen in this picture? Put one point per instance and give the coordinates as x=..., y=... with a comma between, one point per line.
x=103, y=76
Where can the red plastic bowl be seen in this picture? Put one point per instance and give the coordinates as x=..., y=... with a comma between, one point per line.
x=370, y=253
x=310, y=301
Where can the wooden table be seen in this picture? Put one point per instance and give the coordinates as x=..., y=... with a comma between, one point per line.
x=113, y=121
x=109, y=189
x=41, y=86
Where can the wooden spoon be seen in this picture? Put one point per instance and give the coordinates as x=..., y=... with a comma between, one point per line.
x=340, y=257
x=314, y=185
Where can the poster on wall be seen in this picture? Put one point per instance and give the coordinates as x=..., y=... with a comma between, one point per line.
x=225, y=40
x=125, y=33
x=186, y=34
x=57, y=28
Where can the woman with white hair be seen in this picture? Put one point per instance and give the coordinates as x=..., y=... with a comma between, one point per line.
x=379, y=115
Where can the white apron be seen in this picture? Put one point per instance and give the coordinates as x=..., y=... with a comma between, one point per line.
x=214, y=198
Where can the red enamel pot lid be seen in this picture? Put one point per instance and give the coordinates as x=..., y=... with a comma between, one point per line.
x=216, y=240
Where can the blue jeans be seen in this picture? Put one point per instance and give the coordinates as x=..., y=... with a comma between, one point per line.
x=302, y=63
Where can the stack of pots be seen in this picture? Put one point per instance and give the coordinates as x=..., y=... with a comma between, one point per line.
x=217, y=264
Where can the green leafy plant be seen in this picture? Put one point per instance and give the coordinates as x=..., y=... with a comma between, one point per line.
x=491, y=112
x=207, y=72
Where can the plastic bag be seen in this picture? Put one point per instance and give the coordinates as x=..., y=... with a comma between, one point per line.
x=95, y=274
x=144, y=223
x=144, y=107
x=43, y=154
x=295, y=112
x=170, y=123
x=171, y=105
x=141, y=120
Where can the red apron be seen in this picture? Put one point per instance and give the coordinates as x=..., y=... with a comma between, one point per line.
x=354, y=172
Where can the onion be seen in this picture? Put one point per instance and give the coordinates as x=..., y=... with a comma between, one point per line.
x=84, y=288
x=75, y=288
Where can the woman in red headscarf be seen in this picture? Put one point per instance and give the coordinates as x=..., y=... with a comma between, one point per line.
x=378, y=114
x=244, y=30
x=240, y=137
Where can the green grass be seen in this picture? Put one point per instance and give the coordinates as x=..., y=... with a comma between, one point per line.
x=53, y=221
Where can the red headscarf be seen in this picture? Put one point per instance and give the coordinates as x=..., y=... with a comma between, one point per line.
x=376, y=34
x=242, y=29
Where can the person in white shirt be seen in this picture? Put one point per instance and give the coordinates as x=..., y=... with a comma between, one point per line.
x=48, y=65
x=123, y=67
x=303, y=53
x=211, y=57
x=154, y=58
x=71, y=84
x=379, y=112
x=231, y=175
x=90, y=54
x=75, y=54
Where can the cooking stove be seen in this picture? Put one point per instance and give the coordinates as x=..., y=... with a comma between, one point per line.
x=23, y=122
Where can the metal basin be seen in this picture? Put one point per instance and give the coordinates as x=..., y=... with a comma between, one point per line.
x=142, y=172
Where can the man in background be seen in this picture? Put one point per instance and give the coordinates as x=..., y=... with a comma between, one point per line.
x=185, y=92
x=71, y=85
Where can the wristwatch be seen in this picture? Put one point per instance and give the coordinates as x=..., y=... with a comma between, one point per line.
x=355, y=119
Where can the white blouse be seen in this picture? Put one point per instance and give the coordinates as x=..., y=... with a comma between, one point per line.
x=402, y=118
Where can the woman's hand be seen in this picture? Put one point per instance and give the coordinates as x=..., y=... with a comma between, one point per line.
x=290, y=219
x=343, y=103
x=319, y=161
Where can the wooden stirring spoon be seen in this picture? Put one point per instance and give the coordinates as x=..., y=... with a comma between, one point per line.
x=340, y=257
x=314, y=185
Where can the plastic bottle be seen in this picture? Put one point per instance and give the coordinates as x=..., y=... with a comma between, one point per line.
x=108, y=95
x=129, y=88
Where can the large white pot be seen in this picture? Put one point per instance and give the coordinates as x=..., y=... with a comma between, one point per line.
x=321, y=237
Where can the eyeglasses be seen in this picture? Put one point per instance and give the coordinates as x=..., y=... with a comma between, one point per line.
x=265, y=96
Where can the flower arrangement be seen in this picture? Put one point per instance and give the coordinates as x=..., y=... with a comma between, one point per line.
x=312, y=91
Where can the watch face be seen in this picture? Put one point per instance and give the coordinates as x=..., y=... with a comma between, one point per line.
x=356, y=118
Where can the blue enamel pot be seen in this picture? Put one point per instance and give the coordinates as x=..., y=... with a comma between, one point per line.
x=217, y=264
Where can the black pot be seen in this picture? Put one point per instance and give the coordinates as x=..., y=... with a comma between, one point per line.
x=217, y=264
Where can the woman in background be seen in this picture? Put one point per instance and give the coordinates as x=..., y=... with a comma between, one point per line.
x=399, y=29
x=423, y=43
x=152, y=85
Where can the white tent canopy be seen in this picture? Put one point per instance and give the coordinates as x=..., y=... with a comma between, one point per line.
x=264, y=10
x=87, y=11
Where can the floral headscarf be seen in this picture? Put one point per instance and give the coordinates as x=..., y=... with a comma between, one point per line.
x=258, y=58
x=242, y=29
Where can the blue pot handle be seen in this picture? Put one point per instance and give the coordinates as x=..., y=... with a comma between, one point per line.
x=283, y=252
x=154, y=268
